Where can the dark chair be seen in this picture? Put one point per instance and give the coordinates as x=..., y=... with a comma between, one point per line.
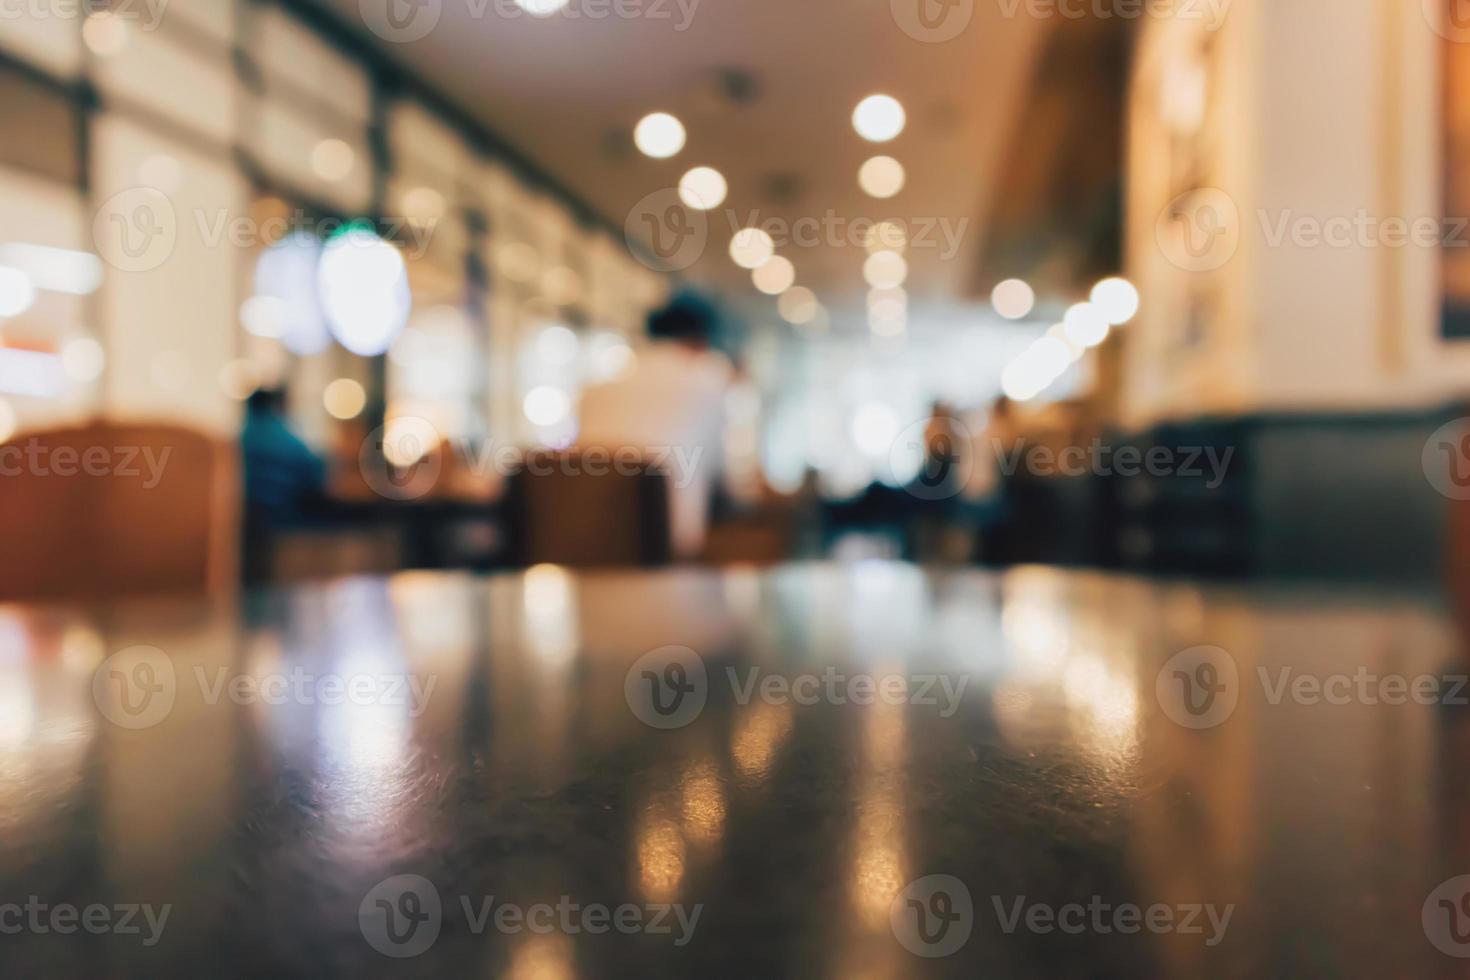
x=559, y=512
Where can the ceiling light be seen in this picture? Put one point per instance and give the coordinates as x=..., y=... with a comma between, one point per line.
x=1084, y=325
x=751, y=248
x=1116, y=299
x=878, y=118
x=885, y=270
x=775, y=277
x=702, y=188
x=659, y=135
x=881, y=177
x=541, y=8
x=1013, y=299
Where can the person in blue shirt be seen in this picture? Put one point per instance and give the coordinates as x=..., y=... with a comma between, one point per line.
x=285, y=480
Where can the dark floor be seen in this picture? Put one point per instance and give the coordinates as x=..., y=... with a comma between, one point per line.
x=1061, y=784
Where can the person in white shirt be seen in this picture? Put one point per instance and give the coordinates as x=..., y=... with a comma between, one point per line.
x=669, y=405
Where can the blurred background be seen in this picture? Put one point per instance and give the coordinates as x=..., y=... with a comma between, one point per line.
x=292, y=289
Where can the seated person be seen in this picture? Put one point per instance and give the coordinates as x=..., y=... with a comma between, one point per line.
x=284, y=479
x=670, y=406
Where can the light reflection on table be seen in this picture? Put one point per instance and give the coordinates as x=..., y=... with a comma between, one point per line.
x=523, y=773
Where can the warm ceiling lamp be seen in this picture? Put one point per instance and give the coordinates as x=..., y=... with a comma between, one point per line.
x=885, y=270
x=881, y=177
x=751, y=248
x=659, y=135
x=702, y=188
x=878, y=118
x=775, y=277
x=1013, y=299
x=1116, y=299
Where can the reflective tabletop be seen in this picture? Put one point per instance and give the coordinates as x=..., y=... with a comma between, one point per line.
x=865, y=770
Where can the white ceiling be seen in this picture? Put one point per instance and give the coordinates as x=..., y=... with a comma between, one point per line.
x=566, y=90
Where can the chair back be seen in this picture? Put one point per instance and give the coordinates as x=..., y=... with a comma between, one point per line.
x=109, y=509
x=569, y=509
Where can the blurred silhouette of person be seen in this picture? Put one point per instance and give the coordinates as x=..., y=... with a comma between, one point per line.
x=935, y=525
x=670, y=405
x=946, y=448
x=285, y=481
x=990, y=488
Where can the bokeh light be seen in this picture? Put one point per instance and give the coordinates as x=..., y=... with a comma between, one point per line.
x=751, y=248
x=1116, y=299
x=775, y=277
x=1013, y=299
x=885, y=270
x=878, y=118
x=703, y=188
x=659, y=135
x=545, y=405
x=344, y=399
x=364, y=291
x=881, y=177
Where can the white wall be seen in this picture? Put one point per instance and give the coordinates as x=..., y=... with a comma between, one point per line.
x=1318, y=110
x=168, y=307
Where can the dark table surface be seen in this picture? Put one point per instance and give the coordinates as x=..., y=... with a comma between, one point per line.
x=816, y=771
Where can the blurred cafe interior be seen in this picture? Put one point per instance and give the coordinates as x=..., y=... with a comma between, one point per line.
x=506, y=344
